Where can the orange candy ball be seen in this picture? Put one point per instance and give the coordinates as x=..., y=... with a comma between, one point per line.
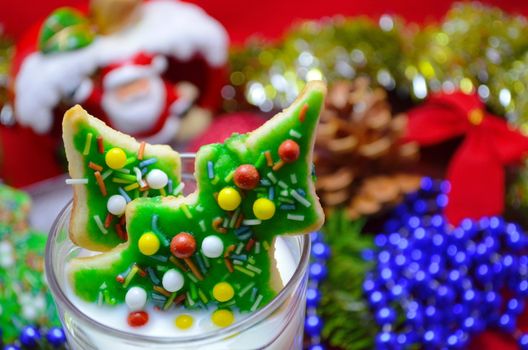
x=246, y=177
x=289, y=151
x=137, y=318
x=183, y=245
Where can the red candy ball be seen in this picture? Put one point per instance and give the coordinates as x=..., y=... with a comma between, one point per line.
x=183, y=245
x=289, y=151
x=246, y=177
x=138, y=318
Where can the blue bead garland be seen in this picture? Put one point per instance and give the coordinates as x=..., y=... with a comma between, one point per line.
x=437, y=285
x=31, y=337
x=317, y=271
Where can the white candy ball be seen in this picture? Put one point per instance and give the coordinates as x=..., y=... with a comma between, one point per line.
x=136, y=298
x=157, y=179
x=172, y=280
x=212, y=247
x=116, y=204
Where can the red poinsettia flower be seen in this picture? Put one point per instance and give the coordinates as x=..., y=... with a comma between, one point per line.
x=476, y=170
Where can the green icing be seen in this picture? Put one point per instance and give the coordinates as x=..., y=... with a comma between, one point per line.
x=166, y=217
x=95, y=201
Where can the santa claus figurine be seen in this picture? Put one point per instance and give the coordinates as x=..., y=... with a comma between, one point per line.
x=137, y=100
x=152, y=69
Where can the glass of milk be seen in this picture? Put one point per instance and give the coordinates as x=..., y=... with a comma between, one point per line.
x=278, y=325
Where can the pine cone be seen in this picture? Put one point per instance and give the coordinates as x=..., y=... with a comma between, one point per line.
x=360, y=162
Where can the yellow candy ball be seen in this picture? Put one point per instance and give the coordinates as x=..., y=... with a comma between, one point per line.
x=229, y=198
x=222, y=318
x=184, y=321
x=263, y=209
x=115, y=158
x=223, y=292
x=148, y=243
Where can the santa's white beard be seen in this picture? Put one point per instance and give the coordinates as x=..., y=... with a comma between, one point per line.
x=138, y=113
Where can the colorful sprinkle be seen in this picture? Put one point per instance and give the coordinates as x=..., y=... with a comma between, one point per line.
x=100, y=183
x=254, y=268
x=193, y=269
x=148, y=162
x=293, y=178
x=251, y=222
x=95, y=167
x=99, y=224
x=244, y=271
x=300, y=198
x=257, y=303
x=131, y=186
x=76, y=181
x=87, y=144
x=186, y=211
x=296, y=134
x=272, y=178
x=124, y=194
x=178, y=189
x=279, y=164
x=210, y=170
x=302, y=112
x=100, y=144
x=141, y=150
x=295, y=217
x=269, y=160
x=246, y=289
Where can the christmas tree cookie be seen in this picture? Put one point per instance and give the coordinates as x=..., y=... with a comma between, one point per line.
x=110, y=169
x=213, y=249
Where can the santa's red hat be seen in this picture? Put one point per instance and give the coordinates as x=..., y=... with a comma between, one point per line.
x=139, y=66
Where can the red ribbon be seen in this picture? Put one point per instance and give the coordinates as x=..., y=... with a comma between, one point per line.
x=476, y=171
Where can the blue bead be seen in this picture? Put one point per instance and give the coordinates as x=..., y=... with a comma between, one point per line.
x=515, y=306
x=11, y=347
x=523, y=341
x=385, y=315
x=56, y=336
x=385, y=340
x=313, y=297
x=426, y=184
x=318, y=271
x=368, y=254
x=320, y=250
x=313, y=325
x=507, y=323
x=522, y=288
x=316, y=347
x=316, y=236
x=377, y=299
x=29, y=336
x=441, y=200
x=432, y=337
x=380, y=240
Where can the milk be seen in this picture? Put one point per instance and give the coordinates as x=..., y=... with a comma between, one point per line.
x=281, y=330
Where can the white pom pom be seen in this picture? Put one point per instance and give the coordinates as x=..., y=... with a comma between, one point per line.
x=157, y=179
x=116, y=204
x=172, y=280
x=136, y=298
x=212, y=247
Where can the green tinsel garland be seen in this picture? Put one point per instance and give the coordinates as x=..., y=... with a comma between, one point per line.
x=348, y=321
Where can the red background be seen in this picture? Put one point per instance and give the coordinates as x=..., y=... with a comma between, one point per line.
x=243, y=18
